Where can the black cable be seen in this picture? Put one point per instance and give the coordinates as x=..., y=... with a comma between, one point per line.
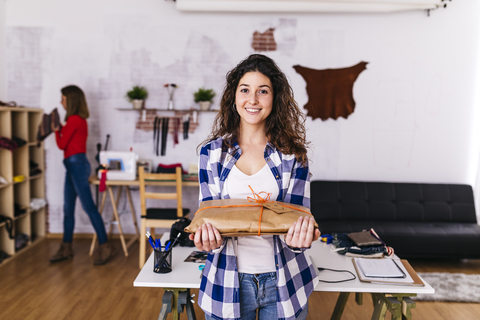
x=338, y=281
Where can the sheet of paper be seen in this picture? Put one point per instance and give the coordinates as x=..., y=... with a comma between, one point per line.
x=380, y=268
x=407, y=279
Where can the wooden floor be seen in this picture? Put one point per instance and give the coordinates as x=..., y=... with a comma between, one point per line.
x=32, y=288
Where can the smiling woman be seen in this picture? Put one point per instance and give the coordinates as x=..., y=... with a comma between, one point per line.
x=257, y=143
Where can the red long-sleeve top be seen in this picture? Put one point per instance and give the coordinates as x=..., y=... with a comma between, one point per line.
x=72, y=138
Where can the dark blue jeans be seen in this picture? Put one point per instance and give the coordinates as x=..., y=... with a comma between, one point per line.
x=259, y=292
x=76, y=184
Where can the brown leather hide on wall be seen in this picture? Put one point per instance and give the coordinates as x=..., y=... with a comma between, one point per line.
x=330, y=91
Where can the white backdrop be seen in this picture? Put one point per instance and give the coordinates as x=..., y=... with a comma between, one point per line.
x=416, y=103
x=3, y=75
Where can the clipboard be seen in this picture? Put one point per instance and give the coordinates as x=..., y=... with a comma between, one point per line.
x=417, y=282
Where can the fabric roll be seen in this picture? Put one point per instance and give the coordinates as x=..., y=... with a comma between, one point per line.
x=176, y=128
x=8, y=144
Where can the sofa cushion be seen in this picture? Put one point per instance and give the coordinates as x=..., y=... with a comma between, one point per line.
x=380, y=201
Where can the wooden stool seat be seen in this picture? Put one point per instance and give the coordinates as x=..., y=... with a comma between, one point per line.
x=167, y=213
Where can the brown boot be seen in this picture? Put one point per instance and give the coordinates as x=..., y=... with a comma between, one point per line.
x=103, y=253
x=64, y=252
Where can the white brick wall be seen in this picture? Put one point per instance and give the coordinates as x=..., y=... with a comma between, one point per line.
x=417, y=98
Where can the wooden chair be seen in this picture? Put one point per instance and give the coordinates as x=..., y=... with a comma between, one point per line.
x=158, y=217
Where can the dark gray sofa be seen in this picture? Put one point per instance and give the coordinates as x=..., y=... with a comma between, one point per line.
x=419, y=220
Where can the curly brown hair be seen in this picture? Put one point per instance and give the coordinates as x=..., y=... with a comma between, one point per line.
x=285, y=126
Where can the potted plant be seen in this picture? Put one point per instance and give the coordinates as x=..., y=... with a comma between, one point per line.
x=204, y=98
x=137, y=96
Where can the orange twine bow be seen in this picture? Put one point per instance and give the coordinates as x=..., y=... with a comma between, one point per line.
x=258, y=199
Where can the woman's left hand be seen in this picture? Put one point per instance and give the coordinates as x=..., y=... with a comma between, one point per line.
x=302, y=233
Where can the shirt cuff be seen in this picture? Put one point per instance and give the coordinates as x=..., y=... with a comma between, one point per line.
x=218, y=249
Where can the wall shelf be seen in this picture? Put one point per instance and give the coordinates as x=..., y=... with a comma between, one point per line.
x=175, y=110
x=148, y=115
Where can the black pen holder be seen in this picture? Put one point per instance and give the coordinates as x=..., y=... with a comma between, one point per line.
x=162, y=262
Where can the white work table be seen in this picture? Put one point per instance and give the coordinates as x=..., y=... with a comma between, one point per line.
x=183, y=275
x=395, y=298
x=323, y=257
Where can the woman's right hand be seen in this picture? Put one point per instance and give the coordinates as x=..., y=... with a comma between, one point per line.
x=207, y=238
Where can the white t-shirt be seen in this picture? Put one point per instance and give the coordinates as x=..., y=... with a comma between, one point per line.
x=255, y=254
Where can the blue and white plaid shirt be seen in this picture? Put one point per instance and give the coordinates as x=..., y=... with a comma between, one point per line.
x=296, y=276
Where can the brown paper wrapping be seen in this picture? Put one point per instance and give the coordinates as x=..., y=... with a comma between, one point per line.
x=234, y=217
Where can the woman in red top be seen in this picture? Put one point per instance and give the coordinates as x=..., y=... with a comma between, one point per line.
x=72, y=139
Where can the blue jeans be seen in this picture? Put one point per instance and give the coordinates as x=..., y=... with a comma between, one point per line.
x=259, y=292
x=76, y=184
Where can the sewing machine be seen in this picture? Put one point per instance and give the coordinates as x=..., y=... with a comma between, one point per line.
x=120, y=165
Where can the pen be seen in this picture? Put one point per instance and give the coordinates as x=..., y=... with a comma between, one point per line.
x=174, y=242
x=167, y=252
x=158, y=244
x=150, y=239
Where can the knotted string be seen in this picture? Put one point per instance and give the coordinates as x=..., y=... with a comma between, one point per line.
x=259, y=199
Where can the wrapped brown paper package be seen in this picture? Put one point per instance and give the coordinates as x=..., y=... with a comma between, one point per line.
x=234, y=217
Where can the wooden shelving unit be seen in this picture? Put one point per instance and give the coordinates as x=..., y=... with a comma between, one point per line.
x=22, y=123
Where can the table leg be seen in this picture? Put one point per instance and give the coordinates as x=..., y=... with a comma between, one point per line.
x=340, y=305
x=115, y=221
x=94, y=240
x=380, y=307
x=115, y=213
x=407, y=305
x=166, y=305
x=383, y=303
x=96, y=196
x=134, y=217
x=359, y=298
x=176, y=300
x=184, y=301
